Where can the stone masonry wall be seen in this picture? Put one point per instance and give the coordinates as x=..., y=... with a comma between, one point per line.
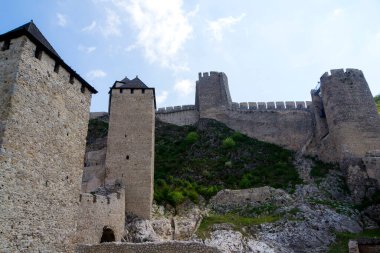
x=42, y=151
x=97, y=212
x=352, y=118
x=130, y=147
x=178, y=115
x=167, y=247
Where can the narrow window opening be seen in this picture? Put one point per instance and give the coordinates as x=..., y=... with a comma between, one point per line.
x=71, y=78
x=125, y=136
x=38, y=53
x=6, y=45
x=121, y=90
x=82, y=89
x=127, y=157
x=132, y=90
x=56, y=67
x=143, y=91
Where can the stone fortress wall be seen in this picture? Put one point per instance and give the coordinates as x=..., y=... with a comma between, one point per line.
x=340, y=124
x=167, y=247
x=44, y=112
x=99, y=212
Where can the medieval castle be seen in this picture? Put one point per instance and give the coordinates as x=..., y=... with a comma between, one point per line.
x=44, y=114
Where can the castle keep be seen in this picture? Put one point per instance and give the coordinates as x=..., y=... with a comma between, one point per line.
x=130, y=144
x=44, y=112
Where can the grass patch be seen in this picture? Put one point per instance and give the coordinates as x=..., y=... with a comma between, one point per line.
x=237, y=222
x=321, y=169
x=377, y=101
x=341, y=243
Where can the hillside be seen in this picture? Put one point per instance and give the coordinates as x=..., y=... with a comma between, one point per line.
x=208, y=157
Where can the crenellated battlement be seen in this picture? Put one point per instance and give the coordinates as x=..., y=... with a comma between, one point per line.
x=208, y=74
x=267, y=106
x=336, y=73
x=171, y=109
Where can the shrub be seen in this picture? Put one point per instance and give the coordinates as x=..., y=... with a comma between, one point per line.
x=228, y=142
x=192, y=137
x=175, y=198
x=237, y=136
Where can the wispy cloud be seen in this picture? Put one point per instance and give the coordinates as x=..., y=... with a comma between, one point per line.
x=338, y=12
x=161, y=98
x=219, y=26
x=90, y=27
x=85, y=49
x=163, y=29
x=112, y=24
x=62, y=19
x=184, y=87
x=96, y=73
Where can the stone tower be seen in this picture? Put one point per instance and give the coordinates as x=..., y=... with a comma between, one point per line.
x=130, y=144
x=44, y=112
x=351, y=115
x=212, y=93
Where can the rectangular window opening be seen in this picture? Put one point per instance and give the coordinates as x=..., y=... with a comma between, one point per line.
x=56, y=67
x=38, y=53
x=143, y=91
x=6, y=45
x=82, y=89
x=121, y=90
x=132, y=90
x=71, y=78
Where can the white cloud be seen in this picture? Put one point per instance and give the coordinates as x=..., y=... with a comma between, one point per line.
x=96, y=73
x=85, y=49
x=217, y=27
x=163, y=29
x=62, y=19
x=90, y=27
x=160, y=99
x=338, y=12
x=184, y=87
x=112, y=24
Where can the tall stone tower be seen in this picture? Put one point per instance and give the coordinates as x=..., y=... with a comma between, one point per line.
x=351, y=115
x=130, y=143
x=212, y=93
x=44, y=112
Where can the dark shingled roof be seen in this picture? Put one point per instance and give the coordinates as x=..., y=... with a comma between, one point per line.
x=135, y=83
x=33, y=33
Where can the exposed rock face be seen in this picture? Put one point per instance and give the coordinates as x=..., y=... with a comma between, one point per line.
x=227, y=200
x=138, y=230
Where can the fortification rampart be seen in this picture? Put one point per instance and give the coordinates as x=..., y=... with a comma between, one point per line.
x=40, y=178
x=97, y=213
x=178, y=115
x=264, y=106
x=167, y=247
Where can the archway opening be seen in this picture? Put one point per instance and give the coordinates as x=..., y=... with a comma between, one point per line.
x=108, y=235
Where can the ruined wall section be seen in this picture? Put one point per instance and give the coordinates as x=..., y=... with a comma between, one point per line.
x=98, y=212
x=130, y=147
x=178, y=115
x=351, y=114
x=42, y=151
x=167, y=247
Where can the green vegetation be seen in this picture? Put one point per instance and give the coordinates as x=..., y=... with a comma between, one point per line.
x=321, y=169
x=203, y=160
x=375, y=199
x=377, y=101
x=339, y=207
x=341, y=243
x=236, y=221
x=96, y=129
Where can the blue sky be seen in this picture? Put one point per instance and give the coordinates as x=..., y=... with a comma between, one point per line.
x=270, y=50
